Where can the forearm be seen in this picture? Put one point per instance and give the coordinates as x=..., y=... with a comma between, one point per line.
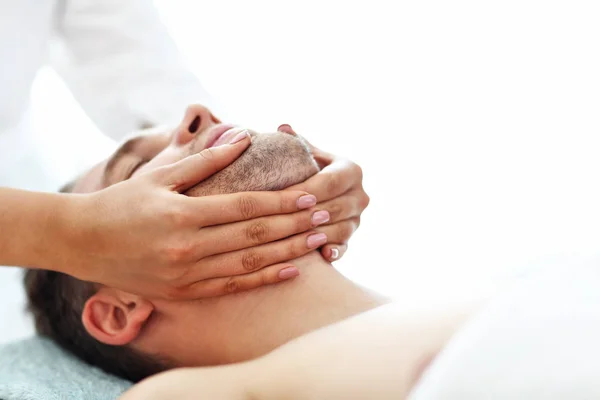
x=29, y=227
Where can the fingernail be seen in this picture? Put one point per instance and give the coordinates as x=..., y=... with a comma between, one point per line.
x=335, y=253
x=316, y=240
x=239, y=137
x=306, y=201
x=320, y=217
x=289, y=272
x=286, y=128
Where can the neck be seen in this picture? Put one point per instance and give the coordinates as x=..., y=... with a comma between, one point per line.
x=250, y=324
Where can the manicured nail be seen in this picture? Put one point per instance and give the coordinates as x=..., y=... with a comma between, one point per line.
x=289, y=272
x=316, y=240
x=286, y=128
x=320, y=217
x=240, y=136
x=335, y=253
x=306, y=201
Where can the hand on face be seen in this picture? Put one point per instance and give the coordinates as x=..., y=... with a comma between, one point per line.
x=179, y=247
x=339, y=191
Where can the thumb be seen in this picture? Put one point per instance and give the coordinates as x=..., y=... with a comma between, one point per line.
x=322, y=158
x=193, y=169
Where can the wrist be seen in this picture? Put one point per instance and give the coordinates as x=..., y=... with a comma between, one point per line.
x=62, y=232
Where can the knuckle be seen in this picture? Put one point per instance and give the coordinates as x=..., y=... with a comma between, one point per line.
x=232, y=285
x=257, y=232
x=335, y=211
x=248, y=206
x=174, y=292
x=346, y=230
x=264, y=279
x=159, y=174
x=334, y=184
x=295, y=249
x=177, y=253
x=364, y=201
x=178, y=216
x=286, y=203
x=303, y=221
x=203, y=248
x=180, y=276
x=357, y=171
x=207, y=154
x=251, y=261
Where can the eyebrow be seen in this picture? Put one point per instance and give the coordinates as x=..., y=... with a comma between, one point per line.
x=125, y=149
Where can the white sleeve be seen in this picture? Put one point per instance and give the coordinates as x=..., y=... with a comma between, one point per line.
x=122, y=66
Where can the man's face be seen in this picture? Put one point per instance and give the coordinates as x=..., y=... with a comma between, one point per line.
x=260, y=168
x=194, y=332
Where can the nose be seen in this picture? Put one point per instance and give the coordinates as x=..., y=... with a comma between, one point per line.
x=196, y=119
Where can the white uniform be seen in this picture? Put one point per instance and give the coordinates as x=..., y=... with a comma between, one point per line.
x=115, y=56
x=120, y=64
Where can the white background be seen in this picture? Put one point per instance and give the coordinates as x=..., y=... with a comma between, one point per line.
x=476, y=123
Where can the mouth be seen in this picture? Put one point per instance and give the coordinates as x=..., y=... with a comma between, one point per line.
x=219, y=135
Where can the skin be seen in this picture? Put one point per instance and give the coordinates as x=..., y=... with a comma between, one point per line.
x=337, y=336
x=241, y=325
x=193, y=233
x=379, y=354
x=84, y=235
x=337, y=188
x=155, y=252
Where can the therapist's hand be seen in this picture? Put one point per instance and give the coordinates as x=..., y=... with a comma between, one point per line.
x=142, y=235
x=339, y=191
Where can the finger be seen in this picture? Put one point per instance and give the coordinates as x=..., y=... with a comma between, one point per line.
x=226, y=208
x=188, y=172
x=234, y=284
x=333, y=181
x=333, y=252
x=322, y=158
x=240, y=235
x=340, y=232
x=255, y=258
x=349, y=205
x=286, y=128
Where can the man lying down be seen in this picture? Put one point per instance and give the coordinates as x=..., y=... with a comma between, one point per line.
x=317, y=337
x=134, y=337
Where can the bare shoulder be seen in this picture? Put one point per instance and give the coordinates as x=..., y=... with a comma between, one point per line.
x=226, y=383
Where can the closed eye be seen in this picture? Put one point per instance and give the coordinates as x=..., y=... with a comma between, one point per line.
x=133, y=168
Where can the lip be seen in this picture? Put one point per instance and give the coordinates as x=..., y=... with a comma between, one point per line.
x=215, y=133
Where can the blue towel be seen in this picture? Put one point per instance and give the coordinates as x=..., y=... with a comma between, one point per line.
x=37, y=369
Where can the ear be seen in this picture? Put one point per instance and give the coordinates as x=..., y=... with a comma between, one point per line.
x=115, y=317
